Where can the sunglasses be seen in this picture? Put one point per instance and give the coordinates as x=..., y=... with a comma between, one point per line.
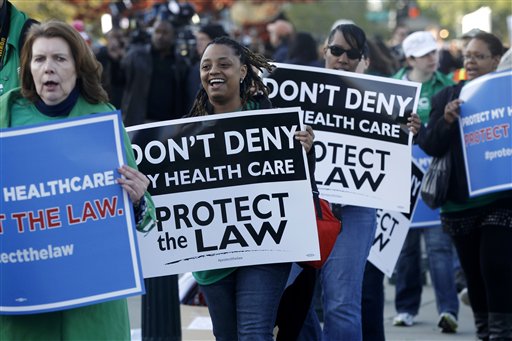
x=337, y=51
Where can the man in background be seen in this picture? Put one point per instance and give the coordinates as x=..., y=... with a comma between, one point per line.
x=110, y=56
x=280, y=32
x=155, y=79
x=395, y=43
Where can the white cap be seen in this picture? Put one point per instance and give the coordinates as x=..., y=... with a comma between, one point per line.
x=418, y=44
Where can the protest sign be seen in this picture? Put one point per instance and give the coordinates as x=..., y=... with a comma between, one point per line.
x=230, y=190
x=485, y=118
x=392, y=228
x=67, y=234
x=362, y=144
x=423, y=216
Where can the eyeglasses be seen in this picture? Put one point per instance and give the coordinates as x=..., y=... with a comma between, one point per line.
x=337, y=51
x=477, y=57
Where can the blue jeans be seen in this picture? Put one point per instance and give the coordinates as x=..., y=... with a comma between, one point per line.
x=243, y=306
x=341, y=277
x=439, y=249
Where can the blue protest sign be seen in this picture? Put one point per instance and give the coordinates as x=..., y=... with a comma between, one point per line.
x=67, y=234
x=486, y=115
x=423, y=216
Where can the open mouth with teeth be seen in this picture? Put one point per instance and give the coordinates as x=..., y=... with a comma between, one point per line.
x=343, y=68
x=471, y=71
x=216, y=82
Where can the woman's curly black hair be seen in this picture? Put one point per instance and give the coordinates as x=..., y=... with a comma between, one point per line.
x=252, y=83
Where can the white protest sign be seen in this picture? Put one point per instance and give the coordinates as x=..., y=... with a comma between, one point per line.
x=362, y=144
x=392, y=228
x=229, y=189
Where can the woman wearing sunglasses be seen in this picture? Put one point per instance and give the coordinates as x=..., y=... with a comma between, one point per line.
x=342, y=275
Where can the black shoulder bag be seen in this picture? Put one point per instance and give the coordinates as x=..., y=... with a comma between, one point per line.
x=434, y=187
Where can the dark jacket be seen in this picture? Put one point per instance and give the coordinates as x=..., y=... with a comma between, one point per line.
x=193, y=84
x=138, y=69
x=281, y=53
x=439, y=137
x=112, y=76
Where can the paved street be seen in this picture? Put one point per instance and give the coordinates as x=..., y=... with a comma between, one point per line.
x=196, y=324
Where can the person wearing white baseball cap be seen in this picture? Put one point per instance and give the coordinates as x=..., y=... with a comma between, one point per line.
x=420, y=49
x=418, y=44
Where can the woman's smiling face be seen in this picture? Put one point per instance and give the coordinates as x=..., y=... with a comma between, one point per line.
x=221, y=73
x=53, y=69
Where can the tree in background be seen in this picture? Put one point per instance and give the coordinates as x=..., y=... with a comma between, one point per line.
x=313, y=16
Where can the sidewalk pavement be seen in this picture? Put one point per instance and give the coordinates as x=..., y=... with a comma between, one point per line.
x=196, y=324
x=425, y=327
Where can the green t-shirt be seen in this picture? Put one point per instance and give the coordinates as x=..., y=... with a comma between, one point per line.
x=428, y=89
x=211, y=276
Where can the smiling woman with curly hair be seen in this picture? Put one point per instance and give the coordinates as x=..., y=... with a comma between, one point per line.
x=242, y=301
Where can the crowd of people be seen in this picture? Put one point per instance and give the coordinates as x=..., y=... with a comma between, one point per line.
x=60, y=77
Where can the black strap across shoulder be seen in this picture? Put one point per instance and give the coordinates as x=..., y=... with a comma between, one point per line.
x=5, y=19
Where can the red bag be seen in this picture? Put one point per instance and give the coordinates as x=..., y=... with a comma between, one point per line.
x=329, y=227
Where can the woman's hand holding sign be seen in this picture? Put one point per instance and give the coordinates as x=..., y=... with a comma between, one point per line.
x=134, y=183
x=414, y=123
x=306, y=137
x=451, y=111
